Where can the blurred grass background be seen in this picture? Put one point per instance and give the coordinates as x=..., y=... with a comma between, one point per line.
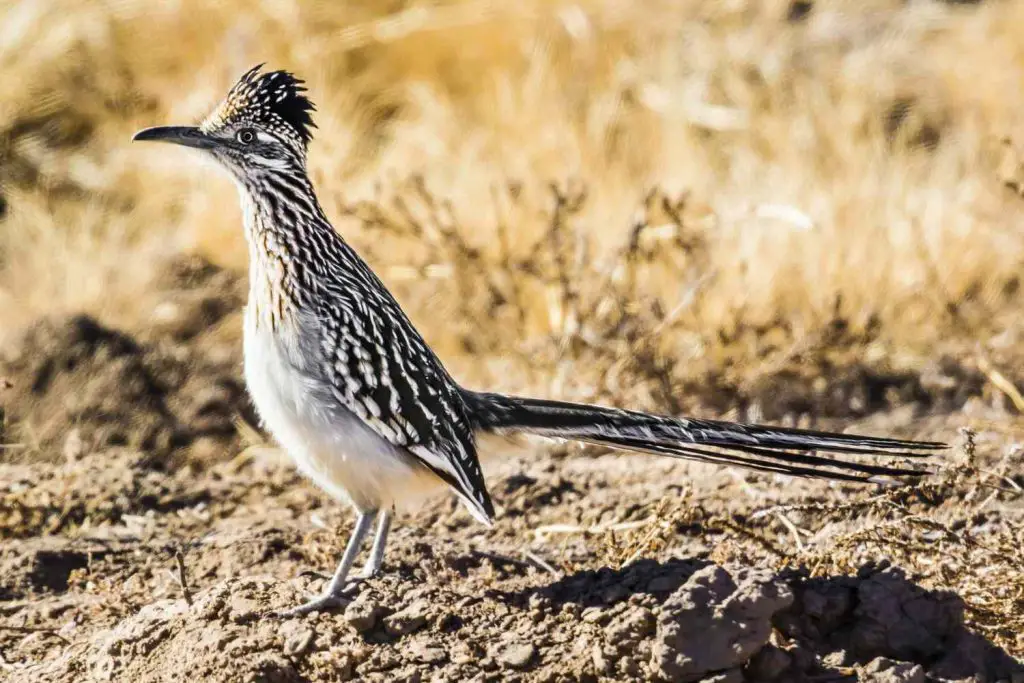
x=640, y=196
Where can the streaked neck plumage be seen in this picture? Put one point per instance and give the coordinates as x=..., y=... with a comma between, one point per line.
x=284, y=227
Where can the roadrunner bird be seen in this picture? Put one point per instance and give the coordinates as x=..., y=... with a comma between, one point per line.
x=346, y=384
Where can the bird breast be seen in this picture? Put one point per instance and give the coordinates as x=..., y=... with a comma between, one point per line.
x=329, y=443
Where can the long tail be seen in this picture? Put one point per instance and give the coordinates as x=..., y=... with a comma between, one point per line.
x=768, y=449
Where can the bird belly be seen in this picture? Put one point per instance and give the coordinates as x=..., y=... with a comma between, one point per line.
x=329, y=443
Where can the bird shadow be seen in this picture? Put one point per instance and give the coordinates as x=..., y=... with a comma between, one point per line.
x=606, y=587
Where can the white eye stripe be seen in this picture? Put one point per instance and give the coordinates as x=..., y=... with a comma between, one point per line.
x=265, y=137
x=267, y=162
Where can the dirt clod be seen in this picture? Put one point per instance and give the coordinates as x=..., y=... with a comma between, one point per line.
x=715, y=622
x=517, y=655
x=885, y=670
x=769, y=664
x=362, y=615
x=407, y=620
x=114, y=390
x=900, y=620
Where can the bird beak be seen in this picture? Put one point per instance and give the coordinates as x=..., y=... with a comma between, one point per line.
x=188, y=136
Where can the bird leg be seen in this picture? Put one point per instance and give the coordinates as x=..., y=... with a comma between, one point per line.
x=372, y=566
x=333, y=594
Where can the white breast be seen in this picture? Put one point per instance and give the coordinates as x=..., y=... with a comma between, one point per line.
x=330, y=444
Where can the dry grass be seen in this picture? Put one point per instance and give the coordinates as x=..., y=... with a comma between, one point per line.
x=841, y=167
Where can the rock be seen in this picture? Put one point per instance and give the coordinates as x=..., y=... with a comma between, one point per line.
x=769, y=664
x=408, y=620
x=362, y=616
x=715, y=622
x=517, y=655
x=428, y=654
x=884, y=670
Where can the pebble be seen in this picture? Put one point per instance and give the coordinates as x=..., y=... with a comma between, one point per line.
x=298, y=642
x=730, y=676
x=518, y=656
x=428, y=654
x=362, y=616
x=408, y=620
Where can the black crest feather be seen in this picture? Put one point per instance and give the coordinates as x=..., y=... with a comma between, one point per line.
x=275, y=101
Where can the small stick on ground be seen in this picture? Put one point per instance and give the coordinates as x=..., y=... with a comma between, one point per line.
x=179, y=560
x=793, y=529
x=542, y=563
x=1000, y=381
x=498, y=559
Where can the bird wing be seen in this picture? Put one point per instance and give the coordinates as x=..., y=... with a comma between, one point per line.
x=383, y=371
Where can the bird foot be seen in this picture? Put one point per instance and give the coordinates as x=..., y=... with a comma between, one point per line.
x=364, y=575
x=324, y=602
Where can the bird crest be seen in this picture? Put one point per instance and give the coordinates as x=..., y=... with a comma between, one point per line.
x=274, y=101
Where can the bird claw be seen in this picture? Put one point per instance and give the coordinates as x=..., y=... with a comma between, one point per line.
x=324, y=602
x=362, y=576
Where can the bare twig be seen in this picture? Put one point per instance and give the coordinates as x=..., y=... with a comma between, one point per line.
x=179, y=559
x=1000, y=382
x=793, y=529
x=542, y=563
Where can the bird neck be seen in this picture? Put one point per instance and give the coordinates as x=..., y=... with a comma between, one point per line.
x=284, y=227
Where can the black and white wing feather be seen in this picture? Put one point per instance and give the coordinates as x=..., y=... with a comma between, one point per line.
x=382, y=370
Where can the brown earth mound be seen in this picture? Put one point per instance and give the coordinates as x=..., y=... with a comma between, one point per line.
x=115, y=571
x=74, y=384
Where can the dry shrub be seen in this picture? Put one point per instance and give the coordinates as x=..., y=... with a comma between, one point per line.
x=959, y=532
x=842, y=165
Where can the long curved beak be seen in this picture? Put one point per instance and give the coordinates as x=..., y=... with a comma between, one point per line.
x=188, y=136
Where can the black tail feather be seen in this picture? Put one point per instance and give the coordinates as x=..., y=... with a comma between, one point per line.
x=798, y=464
x=770, y=449
x=732, y=459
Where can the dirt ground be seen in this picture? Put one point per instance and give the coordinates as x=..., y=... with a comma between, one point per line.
x=150, y=532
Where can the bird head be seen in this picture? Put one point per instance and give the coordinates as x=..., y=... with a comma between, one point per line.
x=264, y=124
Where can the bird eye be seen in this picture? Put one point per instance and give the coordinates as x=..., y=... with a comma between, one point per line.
x=245, y=136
